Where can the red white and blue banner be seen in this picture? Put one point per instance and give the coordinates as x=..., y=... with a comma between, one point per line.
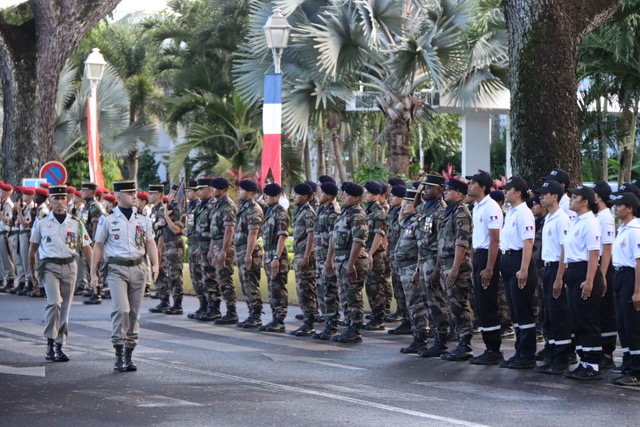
x=272, y=128
x=95, y=166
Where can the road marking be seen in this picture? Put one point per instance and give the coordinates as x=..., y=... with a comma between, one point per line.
x=31, y=371
x=488, y=391
x=379, y=393
x=140, y=400
x=305, y=359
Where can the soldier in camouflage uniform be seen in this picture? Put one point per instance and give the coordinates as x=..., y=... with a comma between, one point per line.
x=173, y=255
x=397, y=195
x=222, y=252
x=91, y=215
x=195, y=270
x=156, y=195
x=276, y=265
x=348, y=259
x=249, y=255
x=304, y=259
x=454, y=261
x=327, y=284
x=378, y=277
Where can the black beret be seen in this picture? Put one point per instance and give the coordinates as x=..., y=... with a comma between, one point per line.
x=396, y=181
x=326, y=178
x=248, y=185
x=456, y=184
x=399, y=190
x=344, y=185
x=383, y=188
x=373, y=187
x=303, y=189
x=353, y=189
x=313, y=185
x=272, y=189
x=329, y=188
x=220, y=183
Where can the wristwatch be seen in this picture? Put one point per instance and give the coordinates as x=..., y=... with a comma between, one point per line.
x=276, y=257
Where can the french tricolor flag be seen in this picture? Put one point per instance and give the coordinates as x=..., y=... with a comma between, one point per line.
x=272, y=128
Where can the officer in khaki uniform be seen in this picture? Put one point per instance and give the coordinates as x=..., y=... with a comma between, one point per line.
x=125, y=237
x=57, y=238
x=6, y=255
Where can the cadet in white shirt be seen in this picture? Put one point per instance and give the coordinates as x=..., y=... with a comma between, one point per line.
x=124, y=237
x=585, y=283
x=58, y=238
x=562, y=177
x=487, y=222
x=519, y=273
x=626, y=260
x=556, y=317
x=608, y=329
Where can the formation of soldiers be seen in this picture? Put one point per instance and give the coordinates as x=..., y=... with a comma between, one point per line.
x=456, y=260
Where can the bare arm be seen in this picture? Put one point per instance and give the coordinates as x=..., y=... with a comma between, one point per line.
x=33, y=249
x=592, y=268
x=175, y=228
x=523, y=273
x=377, y=241
x=152, y=252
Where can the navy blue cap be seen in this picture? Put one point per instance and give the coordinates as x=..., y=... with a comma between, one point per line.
x=456, y=184
x=518, y=183
x=497, y=195
x=626, y=198
x=551, y=187
x=560, y=176
x=602, y=189
x=587, y=193
x=481, y=177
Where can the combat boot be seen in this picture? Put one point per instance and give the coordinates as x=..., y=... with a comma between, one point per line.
x=330, y=330
x=351, y=335
x=212, y=313
x=462, y=352
x=276, y=325
x=35, y=294
x=253, y=321
x=106, y=293
x=230, y=318
x=176, y=308
x=403, y=329
x=27, y=289
x=155, y=295
x=129, y=365
x=438, y=348
x=8, y=285
x=306, y=329
x=58, y=355
x=395, y=317
x=17, y=289
x=376, y=323
x=119, y=366
x=419, y=343
x=201, y=310
x=50, y=354
x=94, y=299
x=160, y=308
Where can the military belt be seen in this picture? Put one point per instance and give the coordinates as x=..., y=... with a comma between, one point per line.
x=25, y=231
x=551, y=264
x=59, y=261
x=4, y=233
x=126, y=262
x=578, y=264
x=624, y=268
x=511, y=252
x=407, y=262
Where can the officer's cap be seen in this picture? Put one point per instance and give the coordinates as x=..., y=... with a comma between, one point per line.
x=456, y=184
x=396, y=181
x=193, y=184
x=205, y=182
x=481, y=177
x=329, y=188
x=415, y=185
x=551, y=187
x=399, y=190
x=89, y=186
x=124, y=186
x=220, y=183
x=303, y=189
x=353, y=189
x=373, y=187
x=628, y=199
x=58, y=190
x=560, y=176
x=272, y=189
x=175, y=187
x=248, y=185
x=156, y=188
x=143, y=195
x=587, y=193
x=410, y=195
x=602, y=189
x=326, y=178
x=435, y=180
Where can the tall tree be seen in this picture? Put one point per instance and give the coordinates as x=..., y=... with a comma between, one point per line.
x=543, y=51
x=36, y=38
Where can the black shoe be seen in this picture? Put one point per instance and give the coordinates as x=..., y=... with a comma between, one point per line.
x=506, y=363
x=305, y=330
x=95, y=299
x=28, y=288
x=200, y=311
x=395, y=317
x=368, y=316
x=212, y=313
x=489, y=357
x=276, y=326
x=106, y=294
x=34, y=294
x=17, y=289
x=230, y=318
x=87, y=293
x=58, y=355
x=375, y=324
x=160, y=308
x=606, y=363
x=345, y=322
x=628, y=380
x=119, y=366
x=553, y=368
x=542, y=354
x=523, y=363
x=461, y=353
x=253, y=321
x=350, y=336
x=403, y=328
x=507, y=331
x=583, y=373
x=299, y=316
x=618, y=370
x=50, y=354
x=330, y=331
x=129, y=365
x=321, y=319
x=419, y=343
x=438, y=348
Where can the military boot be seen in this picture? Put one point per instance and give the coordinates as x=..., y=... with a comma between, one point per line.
x=40, y=293
x=403, y=328
x=395, y=317
x=419, y=343
x=201, y=310
x=276, y=325
x=58, y=355
x=462, y=352
x=155, y=295
x=8, y=285
x=160, y=308
x=106, y=293
x=26, y=289
x=438, y=348
x=130, y=366
x=351, y=335
x=230, y=318
x=376, y=323
x=50, y=354
x=17, y=289
x=95, y=298
x=253, y=321
x=212, y=313
x=119, y=366
x=330, y=330
x=176, y=308
x=306, y=329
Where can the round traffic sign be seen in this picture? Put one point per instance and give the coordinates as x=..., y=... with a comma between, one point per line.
x=54, y=172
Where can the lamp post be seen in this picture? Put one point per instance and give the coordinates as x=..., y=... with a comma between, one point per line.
x=276, y=32
x=94, y=69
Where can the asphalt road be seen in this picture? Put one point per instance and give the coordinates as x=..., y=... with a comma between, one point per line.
x=200, y=374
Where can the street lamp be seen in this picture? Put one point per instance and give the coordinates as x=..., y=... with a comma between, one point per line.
x=276, y=31
x=94, y=69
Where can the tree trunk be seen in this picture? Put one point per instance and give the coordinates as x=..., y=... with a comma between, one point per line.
x=322, y=164
x=307, y=159
x=604, y=153
x=543, y=44
x=337, y=150
x=33, y=54
x=629, y=123
x=398, y=142
x=132, y=164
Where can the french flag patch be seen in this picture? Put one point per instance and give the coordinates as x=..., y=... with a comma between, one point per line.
x=528, y=228
x=566, y=232
x=493, y=218
x=597, y=237
x=609, y=233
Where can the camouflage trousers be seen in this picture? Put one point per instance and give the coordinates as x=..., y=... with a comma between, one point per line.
x=209, y=282
x=195, y=269
x=457, y=296
x=277, y=285
x=250, y=277
x=162, y=282
x=413, y=293
x=434, y=296
x=398, y=288
x=306, y=285
x=505, y=316
x=351, y=289
x=378, y=284
x=223, y=277
x=172, y=259
x=328, y=291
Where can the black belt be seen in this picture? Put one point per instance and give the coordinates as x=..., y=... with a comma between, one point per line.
x=577, y=264
x=623, y=268
x=551, y=264
x=25, y=231
x=126, y=262
x=59, y=261
x=511, y=251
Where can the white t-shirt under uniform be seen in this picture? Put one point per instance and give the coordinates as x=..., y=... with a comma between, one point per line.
x=584, y=236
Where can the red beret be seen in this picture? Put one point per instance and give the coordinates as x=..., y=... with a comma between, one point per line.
x=78, y=193
x=110, y=198
x=29, y=191
x=44, y=184
x=165, y=199
x=6, y=187
x=42, y=191
x=71, y=189
x=99, y=192
x=143, y=195
x=19, y=188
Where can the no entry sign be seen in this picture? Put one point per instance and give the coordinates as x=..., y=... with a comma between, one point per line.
x=54, y=172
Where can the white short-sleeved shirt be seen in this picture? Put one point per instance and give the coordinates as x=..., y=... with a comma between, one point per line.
x=487, y=215
x=556, y=227
x=59, y=240
x=564, y=205
x=519, y=225
x=584, y=236
x=7, y=212
x=608, y=228
x=124, y=238
x=26, y=213
x=626, y=247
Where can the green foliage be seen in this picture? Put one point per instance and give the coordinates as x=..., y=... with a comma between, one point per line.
x=78, y=168
x=442, y=141
x=499, y=155
x=147, y=169
x=371, y=171
x=17, y=15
